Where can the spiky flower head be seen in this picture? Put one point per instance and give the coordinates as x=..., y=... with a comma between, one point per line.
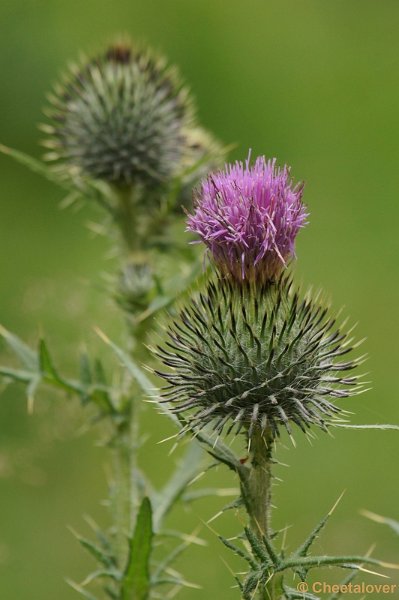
x=248, y=216
x=120, y=117
x=256, y=358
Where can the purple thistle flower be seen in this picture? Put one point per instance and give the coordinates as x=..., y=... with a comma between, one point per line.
x=248, y=217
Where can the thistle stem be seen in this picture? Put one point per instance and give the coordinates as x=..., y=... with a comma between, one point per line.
x=125, y=491
x=256, y=494
x=121, y=497
x=126, y=217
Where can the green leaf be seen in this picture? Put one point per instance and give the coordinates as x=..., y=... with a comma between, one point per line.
x=26, y=355
x=346, y=562
x=48, y=369
x=34, y=165
x=135, y=371
x=95, y=551
x=136, y=579
x=239, y=552
x=16, y=374
x=304, y=548
x=39, y=369
x=190, y=467
x=257, y=549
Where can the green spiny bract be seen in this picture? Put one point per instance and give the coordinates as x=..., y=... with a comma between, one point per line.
x=258, y=358
x=120, y=117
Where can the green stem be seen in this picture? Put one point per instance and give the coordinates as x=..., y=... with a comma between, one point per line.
x=125, y=492
x=121, y=497
x=257, y=489
x=126, y=217
x=256, y=494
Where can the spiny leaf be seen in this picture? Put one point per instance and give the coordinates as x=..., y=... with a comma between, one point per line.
x=105, y=559
x=49, y=371
x=16, y=374
x=26, y=355
x=304, y=548
x=40, y=368
x=257, y=548
x=271, y=551
x=136, y=578
x=239, y=552
x=34, y=165
x=134, y=370
x=348, y=562
x=187, y=470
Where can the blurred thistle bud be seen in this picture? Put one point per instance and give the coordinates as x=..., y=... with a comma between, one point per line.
x=248, y=217
x=256, y=358
x=135, y=286
x=203, y=153
x=120, y=117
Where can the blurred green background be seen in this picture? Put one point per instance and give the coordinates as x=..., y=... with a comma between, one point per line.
x=315, y=84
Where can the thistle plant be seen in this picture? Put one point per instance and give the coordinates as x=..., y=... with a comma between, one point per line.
x=248, y=356
x=251, y=355
x=122, y=134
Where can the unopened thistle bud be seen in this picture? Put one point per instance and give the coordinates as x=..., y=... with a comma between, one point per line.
x=257, y=358
x=120, y=117
x=135, y=286
x=248, y=217
x=203, y=153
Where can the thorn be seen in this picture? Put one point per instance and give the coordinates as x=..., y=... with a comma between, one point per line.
x=196, y=478
x=374, y=572
x=171, y=437
x=216, y=516
x=336, y=503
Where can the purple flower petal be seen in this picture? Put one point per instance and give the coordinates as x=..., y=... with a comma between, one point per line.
x=248, y=216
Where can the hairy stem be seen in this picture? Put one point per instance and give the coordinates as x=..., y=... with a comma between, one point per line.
x=256, y=494
x=257, y=490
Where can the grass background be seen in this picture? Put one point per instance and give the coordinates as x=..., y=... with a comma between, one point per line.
x=315, y=84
